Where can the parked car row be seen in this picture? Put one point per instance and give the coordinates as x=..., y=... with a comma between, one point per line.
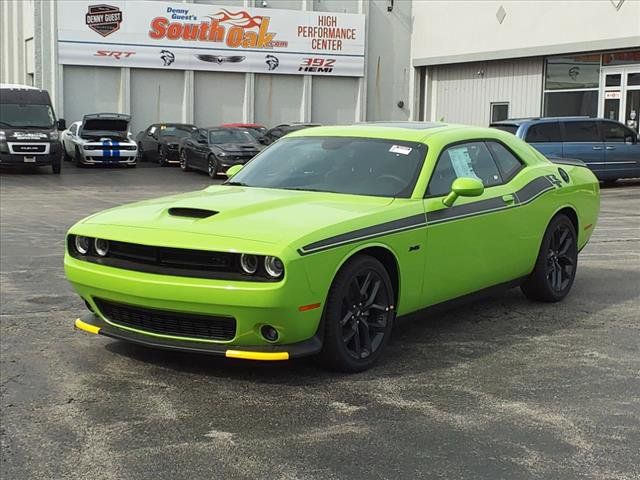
x=213, y=149
x=609, y=148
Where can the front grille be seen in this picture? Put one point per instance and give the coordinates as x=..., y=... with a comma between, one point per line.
x=167, y=322
x=19, y=148
x=110, y=147
x=181, y=262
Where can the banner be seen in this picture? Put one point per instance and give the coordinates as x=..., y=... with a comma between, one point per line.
x=187, y=36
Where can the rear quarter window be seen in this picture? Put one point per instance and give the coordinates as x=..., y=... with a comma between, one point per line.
x=506, y=128
x=544, y=133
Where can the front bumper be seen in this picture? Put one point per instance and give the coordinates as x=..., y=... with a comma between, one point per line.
x=38, y=159
x=288, y=306
x=93, y=324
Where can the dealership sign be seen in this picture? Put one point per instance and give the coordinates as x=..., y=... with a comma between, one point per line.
x=186, y=36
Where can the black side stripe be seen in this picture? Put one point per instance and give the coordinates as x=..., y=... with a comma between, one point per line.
x=525, y=195
x=401, y=225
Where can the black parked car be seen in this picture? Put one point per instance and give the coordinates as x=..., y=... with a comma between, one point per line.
x=160, y=142
x=215, y=149
x=275, y=133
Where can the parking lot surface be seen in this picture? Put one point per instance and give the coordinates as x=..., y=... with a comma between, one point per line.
x=502, y=388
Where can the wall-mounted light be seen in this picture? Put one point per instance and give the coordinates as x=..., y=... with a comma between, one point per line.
x=480, y=73
x=264, y=4
x=389, y=5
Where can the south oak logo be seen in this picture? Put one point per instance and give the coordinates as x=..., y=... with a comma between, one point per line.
x=103, y=19
x=238, y=29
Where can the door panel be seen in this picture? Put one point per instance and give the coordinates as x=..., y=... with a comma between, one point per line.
x=622, y=150
x=582, y=141
x=479, y=241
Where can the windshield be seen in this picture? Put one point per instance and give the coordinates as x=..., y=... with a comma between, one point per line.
x=230, y=136
x=357, y=166
x=27, y=115
x=176, y=130
x=255, y=132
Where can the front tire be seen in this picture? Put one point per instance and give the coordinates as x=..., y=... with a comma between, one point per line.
x=78, y=158
x=555, y=268
x=212, y=166
x=140, y=153
x=56, y=166
x=162, y=157
x=358, y=316
x=184, y=165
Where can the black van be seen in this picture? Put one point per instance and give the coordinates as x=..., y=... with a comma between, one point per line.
x=28, y=128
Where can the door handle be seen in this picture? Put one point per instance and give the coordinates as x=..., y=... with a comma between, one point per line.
x=510, y=198
x=597, y=148
x=611, y=148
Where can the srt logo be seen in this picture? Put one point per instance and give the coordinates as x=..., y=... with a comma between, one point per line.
x=272, y=62
x=220, y=58
x=112, y=53
x=167, y=57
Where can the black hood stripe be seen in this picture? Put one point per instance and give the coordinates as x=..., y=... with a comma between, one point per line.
x=525, y=195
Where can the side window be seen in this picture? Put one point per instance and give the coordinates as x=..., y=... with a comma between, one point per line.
x=544, y=133
x=463, y=160
x=614, y=132
x=507, y=162
x=152, y=129
x=586, y=131
x=276, y=133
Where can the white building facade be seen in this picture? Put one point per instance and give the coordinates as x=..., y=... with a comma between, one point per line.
x=462, y=61
x=481, y=61
x=32, y=32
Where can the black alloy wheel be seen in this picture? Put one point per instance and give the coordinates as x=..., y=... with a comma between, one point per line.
x=212, y=166
x=78, y=158
x=358, y=316
x=162, y=157
x=557, y=262
x=140, y=153
x=184, y=165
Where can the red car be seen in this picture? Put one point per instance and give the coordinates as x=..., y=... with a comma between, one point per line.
x=255, y=129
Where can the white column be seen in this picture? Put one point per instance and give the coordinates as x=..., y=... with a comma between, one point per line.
x=124, y=100
x=361, y=99
x=248, y=106
x=188, y=95
x=305, y=104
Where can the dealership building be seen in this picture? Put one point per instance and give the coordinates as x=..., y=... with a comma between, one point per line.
x=326, y=61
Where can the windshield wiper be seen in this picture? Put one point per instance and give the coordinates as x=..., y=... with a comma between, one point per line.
x=304, y=189
x=6, y=124
x=236, y=184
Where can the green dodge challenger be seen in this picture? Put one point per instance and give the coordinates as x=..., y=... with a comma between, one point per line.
x=318, y=244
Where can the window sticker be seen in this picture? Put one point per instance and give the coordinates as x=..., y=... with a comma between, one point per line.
x=401, y=149
x=461, y=162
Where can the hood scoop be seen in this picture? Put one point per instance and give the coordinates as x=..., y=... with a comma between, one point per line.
x=191, y=212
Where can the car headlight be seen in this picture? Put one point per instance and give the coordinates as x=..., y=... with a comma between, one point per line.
x=3, y=136
x=221, y=154
x=82, y=244
x=102, y=246
x=273, y=266
x=249, y=263
x=54, y=135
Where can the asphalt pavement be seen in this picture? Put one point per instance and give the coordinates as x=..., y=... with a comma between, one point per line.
x=499, y=389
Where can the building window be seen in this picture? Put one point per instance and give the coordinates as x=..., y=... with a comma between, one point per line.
x=499, y=111
x=571, y=85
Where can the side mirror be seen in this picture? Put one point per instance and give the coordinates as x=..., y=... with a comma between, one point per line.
x=463, y=187
x=202, y=140
x=234, y=169
x=263, y=140
x=61, y=124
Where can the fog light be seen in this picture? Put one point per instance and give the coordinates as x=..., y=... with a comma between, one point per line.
x=249, y=263
x=273, y=266
x=269, y=333
x=102, y=246
x=83, y=244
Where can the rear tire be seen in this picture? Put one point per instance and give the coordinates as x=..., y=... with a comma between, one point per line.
x=78, y=158
x=358, y=316
x=162, y=157
x=555, y=268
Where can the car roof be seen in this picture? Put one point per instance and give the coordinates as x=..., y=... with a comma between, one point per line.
x=402, y=131
x=171, y=124
x=16, y=86
x=240, y=125
x=520, y=121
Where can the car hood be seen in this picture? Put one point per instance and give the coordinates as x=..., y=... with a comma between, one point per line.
x=236, y=147
x=256, y=214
